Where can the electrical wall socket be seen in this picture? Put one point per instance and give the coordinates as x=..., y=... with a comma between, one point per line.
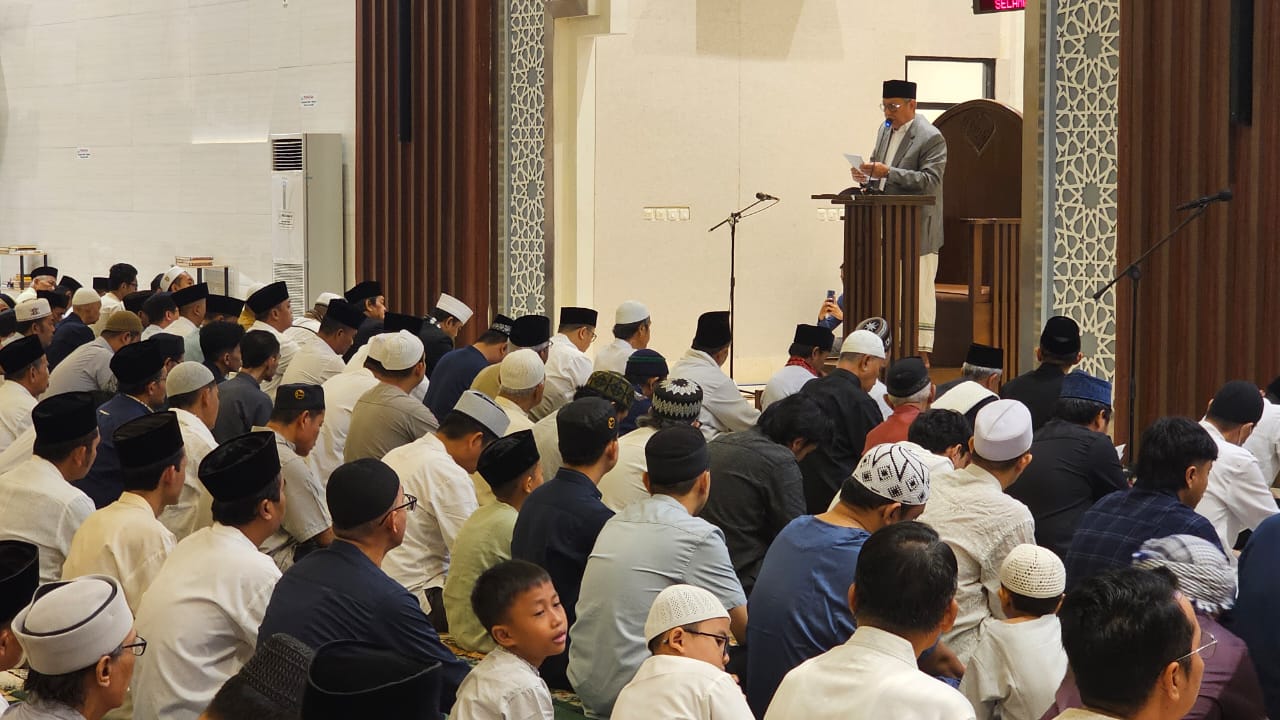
x=676, y=213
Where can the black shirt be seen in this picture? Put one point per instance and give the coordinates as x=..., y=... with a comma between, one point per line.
x=757, y=491
x=1072, y=467
x=435, y=343
x=1038, y=390
x=824, y=470
x=369, y=327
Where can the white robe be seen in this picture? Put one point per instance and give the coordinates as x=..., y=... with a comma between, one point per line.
x=42, y=508
x=194, y=507
x=123, y=540
x=288, y=349
x=723, y=407
x=567, y=370
x=340, y=395
x=785, y=383
x=315, y=362
x=614, y=356
x=16, y=403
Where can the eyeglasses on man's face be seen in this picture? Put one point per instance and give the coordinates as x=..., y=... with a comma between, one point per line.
x=410, y=503
x=722, y=641
x=138, y=646
x=1205, y=651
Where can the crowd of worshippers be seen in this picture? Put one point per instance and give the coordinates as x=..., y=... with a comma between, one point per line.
x=211, y=508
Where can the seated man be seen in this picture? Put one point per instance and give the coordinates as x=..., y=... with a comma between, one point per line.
x=559, y=522
x=193, y=397
x=320, y=351
x=459, y=367
x=19, y=577
x=568, y=366
x=1073, y=462
x=688, y=633
x=632, y=330
x=341, y=593
x=675, y=402
x=441, y=328
x=510, y=466
x=982, y=524
x=758, y=489
x=1254, y=617
x=1133, y=645
x=527, y=331
x=809, y=349
x=81, y=648
x=387, y=416
x=800, y=607
x=1039, y=389
x=645, y=369
x=903, y=599
x=1174, y=459
x=909, y=393
x=220, y=348
x=296, y=420
x=269, y=686
x=603, y=384
x=723, y=407
x=983, y=364
x=1238, y=497
x=26, y=377
x=388, y=683
x=522, y=381
x=243, y=404
x=646, y=548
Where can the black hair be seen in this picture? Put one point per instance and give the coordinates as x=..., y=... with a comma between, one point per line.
x=257, y=347
x=658, y=422
x=855, y=494
x=1121, y=630
x=158, y=305
x=377, y=368
x=218, y=337
x=1060, y=359
x=24, y=327
x=492, y=337
x=442, y=315
x=138, y=387
x=626, y=331
x=17, y=373
x=56, y=452
x=797, y=417
x=457, y=425
x=155, y=282
x=710, y=350
x=997, y=466
x=677, y=488
x=1080, y=411
x=498, y=587
x=1038, y=607
x=188, y=399
x=937, y=430
x=65, y=689
x=567, y=328
x=801, y=350
x=286, y=416
x=584, y=453
x=640, y=379
x=120, y=274
x=234, y=513
x=1168, y=448
x=147, y=477
x=905, y=579
x=330, y=325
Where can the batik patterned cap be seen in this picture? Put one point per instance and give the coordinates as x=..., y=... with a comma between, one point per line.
x=893, y=473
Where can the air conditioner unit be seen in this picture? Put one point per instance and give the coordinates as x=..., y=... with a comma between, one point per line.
x=306, y=215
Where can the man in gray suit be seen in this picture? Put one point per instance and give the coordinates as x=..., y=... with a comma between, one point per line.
x=909, y=159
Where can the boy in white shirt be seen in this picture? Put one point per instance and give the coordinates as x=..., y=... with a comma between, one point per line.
x=1019, y=663
x=688, y=634
x=518, y=604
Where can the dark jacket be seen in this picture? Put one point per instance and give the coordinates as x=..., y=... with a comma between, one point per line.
x=70, y=334
x=1038, y=390
x=842, y=398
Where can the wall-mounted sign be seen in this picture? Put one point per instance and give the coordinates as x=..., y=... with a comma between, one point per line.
x=991, y=6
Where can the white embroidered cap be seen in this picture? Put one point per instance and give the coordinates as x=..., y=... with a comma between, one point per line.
x=32, y=310
x=864, y=342
x=631, y=311
x=521, y=370
x=397, y=350
x=679, y=605
x=70, y=625
x=454, y=307
x=1034, y=572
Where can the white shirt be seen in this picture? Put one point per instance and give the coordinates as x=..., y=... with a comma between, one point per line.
x=624, y=484
x=356, y=364
x=503, y=686
x=194, y=507
x=1016, y=669
x=936, y=463
x=110, y=304
x=568, y=369
x=1264, y=442
x=517, y=418
x=315, y=362
x=784, y=383
x=151, y=330
x=681, y=688
x=723, y=407
x=86, y=369
x=309, y=323
x=288, y=349
x=982, y=525
x=878, y=391
x=1237, y=497
x=446, y=498
x=182, y=327
x=16, y=403
x=19, y=451
x=306, y=513
x=895, y=141
x=547, y=437
x=123, y=540
x=200, y=618
x=872, y=676
x=340, y=395
x=42, y=508
x=613, y=357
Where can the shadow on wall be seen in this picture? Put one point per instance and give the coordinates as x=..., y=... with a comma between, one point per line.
x=766, y=29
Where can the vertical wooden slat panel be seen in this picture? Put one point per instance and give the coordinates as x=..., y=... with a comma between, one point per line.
x=1208, y=296
x=425, y=208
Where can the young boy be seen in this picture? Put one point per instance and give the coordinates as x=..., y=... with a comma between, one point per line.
x=688, y=634
x=518, y=604
x=1019, y=663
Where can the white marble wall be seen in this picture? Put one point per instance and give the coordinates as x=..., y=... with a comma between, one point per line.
x=174, y=101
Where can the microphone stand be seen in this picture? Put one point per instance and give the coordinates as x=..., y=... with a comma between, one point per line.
x=732, y=221
x=1134, y=273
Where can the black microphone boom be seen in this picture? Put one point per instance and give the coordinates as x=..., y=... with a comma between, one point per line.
x=1220, y=196
x=765, y=196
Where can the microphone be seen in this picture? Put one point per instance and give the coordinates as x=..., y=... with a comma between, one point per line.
x=875, y=156
x=765, y=196
x=1220, y=196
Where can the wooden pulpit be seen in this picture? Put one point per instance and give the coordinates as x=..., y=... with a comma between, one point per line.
x=882, y=263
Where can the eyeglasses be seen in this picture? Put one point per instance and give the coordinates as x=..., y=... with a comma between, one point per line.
x=1205, y=651
x=410, y=503
x=722, y=641
x=891, y=107
x=138, y=646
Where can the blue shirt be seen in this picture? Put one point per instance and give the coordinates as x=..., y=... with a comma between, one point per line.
x=640, y=406
x=454, y=373
x=651, y=545
x=242, y=405
x=831, y=323
x=1116, y=526
x=556, y=528
x=1255, y=619
x=337, y=593
x=103, y=484
x=800, y=604
x=70, y=334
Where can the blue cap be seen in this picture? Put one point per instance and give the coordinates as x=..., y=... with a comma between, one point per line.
x=1083, y=386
